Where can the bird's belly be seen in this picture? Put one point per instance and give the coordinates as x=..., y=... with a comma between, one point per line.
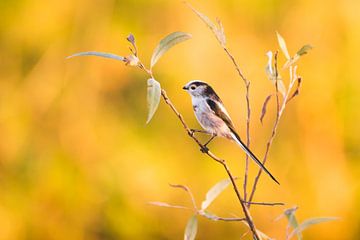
x=210, y=122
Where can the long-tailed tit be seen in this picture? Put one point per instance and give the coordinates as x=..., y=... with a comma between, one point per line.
x=213, y=117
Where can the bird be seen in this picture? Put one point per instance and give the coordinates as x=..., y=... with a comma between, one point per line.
x=214, y=119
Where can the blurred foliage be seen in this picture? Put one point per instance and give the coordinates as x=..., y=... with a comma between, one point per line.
x=78, y=162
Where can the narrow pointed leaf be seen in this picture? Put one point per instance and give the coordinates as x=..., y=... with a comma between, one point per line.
x=309, y=222
x=191, y=228
x=263, y=110
x=98, y=54
x=163, y=204
x=217, y=30
x=166, y=43
x=304, y=50
x=282, y=45
x=203, y=17
x=214, y=192
x=297, y=91
x=153, y=97
x=269, y=69
x=292, y=221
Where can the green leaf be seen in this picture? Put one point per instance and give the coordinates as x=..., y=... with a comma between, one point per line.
x=282, y=45
x=214, y=192
x=191, y=228
x=98, y=54
x=309, y=222
x=304, y=50
x=290, y=214
x=217, y=30
x=166, y=43
x=153, y=97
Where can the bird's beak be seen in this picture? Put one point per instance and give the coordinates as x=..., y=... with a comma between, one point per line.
x=185, y=88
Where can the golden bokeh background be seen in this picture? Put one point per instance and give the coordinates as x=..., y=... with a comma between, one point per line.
x=78, y=162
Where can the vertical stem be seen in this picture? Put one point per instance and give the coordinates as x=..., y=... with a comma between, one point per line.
x=247, y=85
x=280, y=111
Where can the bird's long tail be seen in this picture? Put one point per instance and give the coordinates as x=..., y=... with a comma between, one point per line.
x=248, y=152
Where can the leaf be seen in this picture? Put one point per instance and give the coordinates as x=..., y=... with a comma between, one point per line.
x=270, y=72
x=166, y=43
x=269, y=69
x=131, y=39
x=282, y=45
x=309, y=222
x=153, y=97
x=263, y=110
x=297, y=91
x=163, y=204
x=191, y=228
x=304, y=50
x=290, y=214
x=217, y=30
x=98, y=54
x=214, y=192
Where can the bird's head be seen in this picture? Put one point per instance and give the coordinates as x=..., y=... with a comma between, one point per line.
x=197, y=88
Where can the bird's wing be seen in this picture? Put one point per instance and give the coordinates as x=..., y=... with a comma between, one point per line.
x=221, y=112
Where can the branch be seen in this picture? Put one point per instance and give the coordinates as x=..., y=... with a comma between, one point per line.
x=247, y=96
x=265, y=203
x=280, y=111
x=217, y=159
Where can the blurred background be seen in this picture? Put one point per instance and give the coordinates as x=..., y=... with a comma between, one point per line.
x=78, y=162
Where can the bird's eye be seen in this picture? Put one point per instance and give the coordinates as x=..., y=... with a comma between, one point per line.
x=192, y=87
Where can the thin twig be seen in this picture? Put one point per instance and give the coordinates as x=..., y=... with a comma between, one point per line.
x=207, y=152
x=217, y=159
x=216, y=218
x=265, y=203
x=247, y=96
x=187, y=189
x=280, y=111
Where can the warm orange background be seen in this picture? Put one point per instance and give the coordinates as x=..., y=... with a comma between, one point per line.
x=78, y=162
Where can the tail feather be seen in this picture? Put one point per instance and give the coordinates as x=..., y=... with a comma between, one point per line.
x=250, y=154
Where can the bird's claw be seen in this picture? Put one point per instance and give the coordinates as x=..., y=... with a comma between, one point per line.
x=192, y=132
x=204, y=149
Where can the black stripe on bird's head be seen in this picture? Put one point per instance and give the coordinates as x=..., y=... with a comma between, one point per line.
x=197, y=88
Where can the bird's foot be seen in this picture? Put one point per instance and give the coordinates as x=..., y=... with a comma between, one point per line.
x=204, y=149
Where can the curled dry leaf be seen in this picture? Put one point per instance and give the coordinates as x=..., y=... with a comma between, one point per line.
x=263, y=110
x=153, y=97
x=131, y=39
x=166, y=43
x=297, y=90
